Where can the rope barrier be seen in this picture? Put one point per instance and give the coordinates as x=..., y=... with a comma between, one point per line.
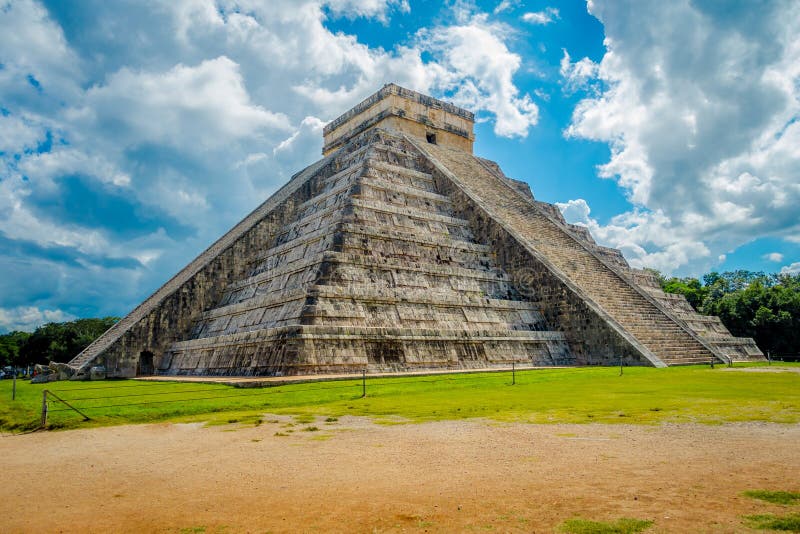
x=263, y=391
x=256, y=393
x=164, y=402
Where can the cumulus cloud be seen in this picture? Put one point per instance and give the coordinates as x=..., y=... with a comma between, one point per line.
x=506, y=5
x=543, y=17
x=199, y=106
x=20, y=133
x=777, y=257
x=700, y=106
x=793, y=268
x=27, y=318
x=580, y=75
x=35, y=55
x=372, y=9
x=477, y=70
x=645, y=238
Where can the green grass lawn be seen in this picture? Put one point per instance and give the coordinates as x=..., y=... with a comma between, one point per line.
x=579, y=395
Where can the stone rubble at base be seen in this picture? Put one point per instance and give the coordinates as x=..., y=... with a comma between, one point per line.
x=400, y=250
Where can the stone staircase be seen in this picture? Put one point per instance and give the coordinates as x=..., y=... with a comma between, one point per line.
x=624, y=303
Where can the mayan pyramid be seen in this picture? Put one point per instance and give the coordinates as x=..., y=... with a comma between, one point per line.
x=401, y=250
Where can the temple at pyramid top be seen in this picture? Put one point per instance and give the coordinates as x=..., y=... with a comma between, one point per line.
x=403, y=110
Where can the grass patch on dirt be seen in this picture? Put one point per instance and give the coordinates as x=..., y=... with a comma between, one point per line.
x=785, y=523
x=623, y=525
x=774, y=497
x=576, y=395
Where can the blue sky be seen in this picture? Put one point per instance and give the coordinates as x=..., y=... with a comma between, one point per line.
x=134, y=133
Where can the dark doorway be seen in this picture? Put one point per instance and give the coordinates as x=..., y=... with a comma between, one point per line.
x=431, y=138
x=145, y=365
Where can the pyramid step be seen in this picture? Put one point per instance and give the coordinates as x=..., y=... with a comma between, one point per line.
x=389, y=169
x=425, y=239
x=352, y=270
x=412, y=213
x=372, y=148
x=328, y=196
x=367, y=333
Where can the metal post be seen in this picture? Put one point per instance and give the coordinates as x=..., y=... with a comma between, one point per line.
x=44, y=409
x=769, y=360
x=513, y=374
x=363, y=383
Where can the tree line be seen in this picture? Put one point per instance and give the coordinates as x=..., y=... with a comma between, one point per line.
x=57, y=342
x=763, y=306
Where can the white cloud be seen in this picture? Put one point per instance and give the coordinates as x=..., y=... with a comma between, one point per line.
x=578, y=75
x=576, y=211
x=543, y=17
x=700, y=107
x=371, y=9
x=506, y=5
x=645, y=238
x=31, y=44
x=47, y=166
x=201, y=106
x=18, y=134
x=21, y=223
x=28, y=318
x=777, y=257
x=793, y=268
x=477, y=68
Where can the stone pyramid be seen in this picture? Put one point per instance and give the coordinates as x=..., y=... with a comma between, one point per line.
x=401, y=250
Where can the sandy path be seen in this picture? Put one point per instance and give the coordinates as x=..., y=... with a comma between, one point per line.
x=353, y=475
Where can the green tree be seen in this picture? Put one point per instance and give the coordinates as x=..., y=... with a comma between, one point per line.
x=10, y=345
x=60, y=342
x=691, y=288
x=749, y=303
x=767, y=309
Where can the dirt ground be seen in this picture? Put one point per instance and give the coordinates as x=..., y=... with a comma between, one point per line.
x=352, y=475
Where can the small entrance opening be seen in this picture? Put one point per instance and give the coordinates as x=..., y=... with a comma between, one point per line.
x=431, y=138
x=145, y=365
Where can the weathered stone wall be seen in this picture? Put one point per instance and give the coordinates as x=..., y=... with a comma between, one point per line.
x=167, y=315
x=172, y=319
x=590, y=338
x=373, y=271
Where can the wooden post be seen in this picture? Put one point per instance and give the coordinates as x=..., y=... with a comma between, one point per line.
x=44, y=409
x=363, y=383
